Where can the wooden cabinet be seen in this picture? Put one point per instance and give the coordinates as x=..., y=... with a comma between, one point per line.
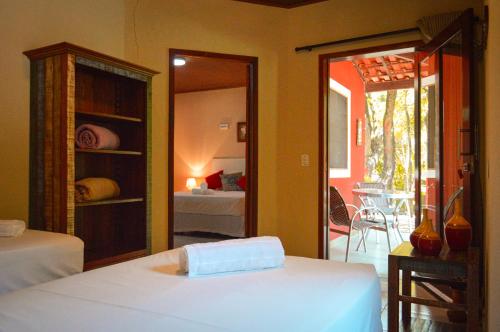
x=71, y=86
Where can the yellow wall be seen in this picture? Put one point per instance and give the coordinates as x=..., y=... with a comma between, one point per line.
x=215, y=26
x=29, y=24
x=492, y=173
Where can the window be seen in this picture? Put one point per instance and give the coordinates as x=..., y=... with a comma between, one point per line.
x=339, y=130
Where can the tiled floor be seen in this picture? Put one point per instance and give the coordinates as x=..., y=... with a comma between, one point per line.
x=376, y=254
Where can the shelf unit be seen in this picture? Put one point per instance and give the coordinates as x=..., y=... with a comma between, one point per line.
x=71, y=86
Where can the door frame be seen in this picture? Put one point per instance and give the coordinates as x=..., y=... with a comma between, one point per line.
x=251, y=153
x=369, y=52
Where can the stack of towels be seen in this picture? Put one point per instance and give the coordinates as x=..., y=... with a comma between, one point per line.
x=95, y=189
x=12, y=228
x=89, y=136
x=256, y=253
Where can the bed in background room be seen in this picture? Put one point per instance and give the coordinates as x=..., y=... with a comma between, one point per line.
x=36, y=257
x=221, y=212
x=151, y=294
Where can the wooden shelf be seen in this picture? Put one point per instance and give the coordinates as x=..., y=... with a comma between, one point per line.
x=110, y=201
x=109, y=116
x=118, y=152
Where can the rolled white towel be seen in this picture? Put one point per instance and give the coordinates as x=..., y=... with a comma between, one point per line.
x=12, y=228
x=232, y=255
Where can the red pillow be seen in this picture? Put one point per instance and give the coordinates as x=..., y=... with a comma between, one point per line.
x=213, y=180
x=242, y=182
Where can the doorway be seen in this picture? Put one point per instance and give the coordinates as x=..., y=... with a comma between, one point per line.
x=368, y=126
x=444, y=146
x=212, y=149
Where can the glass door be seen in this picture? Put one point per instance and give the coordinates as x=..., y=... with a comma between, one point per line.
x=445, y=122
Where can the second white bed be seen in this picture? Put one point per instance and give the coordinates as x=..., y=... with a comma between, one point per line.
x=149, y=294
x=222, y=212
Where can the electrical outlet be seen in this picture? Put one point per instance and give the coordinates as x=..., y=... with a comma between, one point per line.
x=304, y=160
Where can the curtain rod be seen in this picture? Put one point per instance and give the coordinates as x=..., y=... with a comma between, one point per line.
x=309, y=48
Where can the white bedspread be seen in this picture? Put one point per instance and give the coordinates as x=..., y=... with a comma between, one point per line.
x=148, y=294
x=222, y=203
x=36, y=257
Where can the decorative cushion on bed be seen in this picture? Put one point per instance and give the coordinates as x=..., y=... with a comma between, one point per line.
x=214, y=181
x=229, y=181
x=242, y=183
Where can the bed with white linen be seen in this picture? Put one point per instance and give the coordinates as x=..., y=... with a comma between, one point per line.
x=36, y=257
x=150, y=294
x=221, y=212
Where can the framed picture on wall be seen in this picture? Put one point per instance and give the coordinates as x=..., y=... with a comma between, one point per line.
x=241, y=132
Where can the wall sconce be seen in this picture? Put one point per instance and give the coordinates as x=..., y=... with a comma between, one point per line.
x=359, y=132
x=190, y=183
x=223, y=126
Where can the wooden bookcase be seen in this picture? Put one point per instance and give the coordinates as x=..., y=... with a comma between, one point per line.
x=71, y=85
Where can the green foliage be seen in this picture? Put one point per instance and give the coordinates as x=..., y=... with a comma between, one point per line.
x=404, y=133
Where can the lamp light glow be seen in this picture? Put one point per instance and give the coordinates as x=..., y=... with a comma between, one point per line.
x=190, y=183
x=179, y=62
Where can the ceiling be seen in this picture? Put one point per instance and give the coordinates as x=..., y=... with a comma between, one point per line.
x=204, y=73
x=386, y=72
x=283, y=3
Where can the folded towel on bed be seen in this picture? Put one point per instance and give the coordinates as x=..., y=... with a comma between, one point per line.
x=232, y=255
x=89, y=136
x=12, y=228
x=95, y=189
x=200, y=191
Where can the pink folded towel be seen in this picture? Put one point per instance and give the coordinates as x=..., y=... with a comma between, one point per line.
x=89, y=136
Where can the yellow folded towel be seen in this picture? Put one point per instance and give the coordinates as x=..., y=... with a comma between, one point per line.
x=95, y=189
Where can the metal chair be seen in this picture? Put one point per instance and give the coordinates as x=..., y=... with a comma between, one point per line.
x=391, y=211
x=363, y=218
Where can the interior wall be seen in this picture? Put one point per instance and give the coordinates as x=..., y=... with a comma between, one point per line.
x=298, y=113
x=345, y=73
x=222, y=26
x=197, y=136
x=492, y=166
x=29, y=24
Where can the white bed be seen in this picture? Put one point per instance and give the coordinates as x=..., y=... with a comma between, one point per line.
x=149, y=294
x=222, y=212
x=36, y=257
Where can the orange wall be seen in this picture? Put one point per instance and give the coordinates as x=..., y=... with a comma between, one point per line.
x=345, y=73
x=197, y=136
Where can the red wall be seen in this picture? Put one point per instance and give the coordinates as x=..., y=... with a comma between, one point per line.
x=345, y=73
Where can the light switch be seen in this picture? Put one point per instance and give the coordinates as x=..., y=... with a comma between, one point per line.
x=304, y=160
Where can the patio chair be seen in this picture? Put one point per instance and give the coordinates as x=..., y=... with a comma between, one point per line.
x=391, y=211
x=362, y=219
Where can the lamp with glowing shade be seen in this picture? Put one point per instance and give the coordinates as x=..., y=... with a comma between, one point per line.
x=190, y=183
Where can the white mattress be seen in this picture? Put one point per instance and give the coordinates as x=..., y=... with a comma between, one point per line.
x=37, y=257
x=149, y=294
x=193, y=222
x=227, y=203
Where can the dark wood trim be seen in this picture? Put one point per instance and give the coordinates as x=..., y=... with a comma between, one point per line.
x=418, y=171
x=279, y=5
x=309, y=48
x=251, y=201
x=323, y=169
x=65, y=47
x=324, y=59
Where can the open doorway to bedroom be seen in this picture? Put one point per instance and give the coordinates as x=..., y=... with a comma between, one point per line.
x=212, y=147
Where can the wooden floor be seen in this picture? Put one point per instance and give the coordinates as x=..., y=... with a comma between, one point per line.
x=423, y=318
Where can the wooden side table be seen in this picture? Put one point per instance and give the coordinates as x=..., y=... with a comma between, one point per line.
x=449, y=268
